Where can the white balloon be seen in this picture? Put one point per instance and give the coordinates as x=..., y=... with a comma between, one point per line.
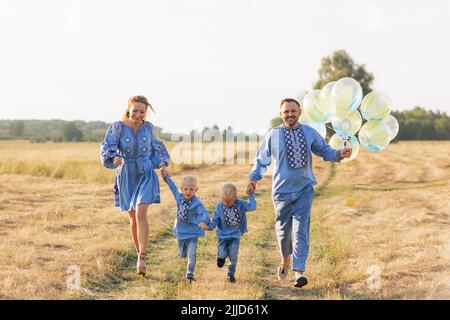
x=393, y=126
x=319, y=127
x=347, y=95
x=347, y=123
x=327, y=89
x=320, y=108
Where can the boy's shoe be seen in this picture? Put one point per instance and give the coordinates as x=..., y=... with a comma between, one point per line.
x=220, y=262
x=190, y=278
x=282, y=272
x=231, y=279
x=300, y=281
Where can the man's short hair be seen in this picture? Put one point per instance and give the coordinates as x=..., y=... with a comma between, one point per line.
x=286, y=100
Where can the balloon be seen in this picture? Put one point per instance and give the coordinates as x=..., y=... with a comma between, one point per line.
x=326, y=90
x=350, y=141
x=319, y=127
x=376, y=106
x=374, y=135
x=318, y=107
x=347, y=95
x=299, y=95
x=347, y=123
x=393, y=126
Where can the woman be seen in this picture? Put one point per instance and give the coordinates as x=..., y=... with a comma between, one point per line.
x=131, y=146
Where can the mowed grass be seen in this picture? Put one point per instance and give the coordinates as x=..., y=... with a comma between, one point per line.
x=398, y=220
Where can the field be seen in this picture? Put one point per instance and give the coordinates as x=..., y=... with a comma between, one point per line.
x=386, y=212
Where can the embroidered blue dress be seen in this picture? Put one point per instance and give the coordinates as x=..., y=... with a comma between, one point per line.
x=136, y=181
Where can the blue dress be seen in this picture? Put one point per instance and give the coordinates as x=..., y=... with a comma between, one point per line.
x=136, y=181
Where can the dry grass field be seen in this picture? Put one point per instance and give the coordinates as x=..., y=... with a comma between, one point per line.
x=388, y=211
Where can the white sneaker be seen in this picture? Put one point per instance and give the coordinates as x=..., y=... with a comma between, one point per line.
x=282, y=272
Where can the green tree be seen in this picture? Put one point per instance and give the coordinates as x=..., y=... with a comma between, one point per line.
x=338, y=65
x=71, y=132
x=275, y=122
x=16, y=128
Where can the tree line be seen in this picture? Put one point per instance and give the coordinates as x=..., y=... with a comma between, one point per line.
x=415, y=124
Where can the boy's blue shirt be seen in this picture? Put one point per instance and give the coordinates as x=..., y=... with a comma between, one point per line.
x=237, y=231
x=197, y=213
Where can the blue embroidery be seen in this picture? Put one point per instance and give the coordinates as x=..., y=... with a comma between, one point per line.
x=182, y=209
x=295, y=147
x=231, y=215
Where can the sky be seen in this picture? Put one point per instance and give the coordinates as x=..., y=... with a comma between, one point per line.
x=205, y=62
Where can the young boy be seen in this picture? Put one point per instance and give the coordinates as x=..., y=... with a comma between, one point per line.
x=191, y=221
x=231, y=221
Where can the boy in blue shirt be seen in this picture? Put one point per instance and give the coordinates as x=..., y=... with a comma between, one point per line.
x=191, y=221
x=231, y=222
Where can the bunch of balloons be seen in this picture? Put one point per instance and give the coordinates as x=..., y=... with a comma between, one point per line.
x=338, y=103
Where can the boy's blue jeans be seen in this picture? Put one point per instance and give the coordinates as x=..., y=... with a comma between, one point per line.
x=188, y=248
x=292, y=212
x=229, y=247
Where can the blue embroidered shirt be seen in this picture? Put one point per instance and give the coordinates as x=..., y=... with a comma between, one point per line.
x=195, y=214
x=285, y=179
x=233, y=227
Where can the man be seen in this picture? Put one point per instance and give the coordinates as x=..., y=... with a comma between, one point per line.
x=291, y=145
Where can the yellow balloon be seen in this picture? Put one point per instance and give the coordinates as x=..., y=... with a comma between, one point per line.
x=319, y=127
x=318, y=107
x=338, y=142
x=347, y=123
x=376, y=106
x=347, y=94
x=374, y=135
x=392, y=124
x=326, y=90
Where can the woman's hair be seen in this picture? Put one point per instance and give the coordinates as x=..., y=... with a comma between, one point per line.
x=135, y=99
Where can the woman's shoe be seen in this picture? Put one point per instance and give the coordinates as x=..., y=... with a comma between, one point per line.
x=141, y=265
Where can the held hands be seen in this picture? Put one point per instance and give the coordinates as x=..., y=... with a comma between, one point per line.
x=251, y=187
x=164, y=171
x=117, y=161
x=203, y=226
x=345, y=153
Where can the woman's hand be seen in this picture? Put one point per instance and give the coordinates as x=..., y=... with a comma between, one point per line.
x=165, y=171
x=117, y=161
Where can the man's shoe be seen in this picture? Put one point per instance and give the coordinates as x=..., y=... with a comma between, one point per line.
x=300, y=281
x=220, y=262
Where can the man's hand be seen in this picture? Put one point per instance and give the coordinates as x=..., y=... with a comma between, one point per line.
x=251, y=187
x=345, y=153
x=203, y=226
